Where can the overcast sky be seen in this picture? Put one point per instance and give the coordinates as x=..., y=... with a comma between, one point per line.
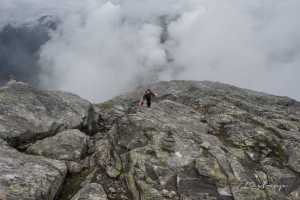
x=103, y=48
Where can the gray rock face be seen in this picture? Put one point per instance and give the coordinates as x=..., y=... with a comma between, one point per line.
x=28, y=114
x=70, y=145
x=91, y=191
x=205, y=140
x=199, y=140
x=28, y=177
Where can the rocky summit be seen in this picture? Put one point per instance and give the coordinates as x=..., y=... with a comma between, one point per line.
x=198, y=141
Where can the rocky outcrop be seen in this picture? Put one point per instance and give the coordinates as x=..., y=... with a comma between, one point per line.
x=28, y=177
x=28, y=114
x=205, y=140
x=199, y=140
x=91, y=191
x=70, y=145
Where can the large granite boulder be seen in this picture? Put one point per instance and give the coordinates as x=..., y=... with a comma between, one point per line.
x=28, y=177
x=28, y=114
x=69, y=145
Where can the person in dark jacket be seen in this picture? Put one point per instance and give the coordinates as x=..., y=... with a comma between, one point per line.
x=148, y=95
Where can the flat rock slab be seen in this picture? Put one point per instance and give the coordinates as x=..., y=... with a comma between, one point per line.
x=28, y=177
x=28, y=114
x=91, y=191
x=70, y=145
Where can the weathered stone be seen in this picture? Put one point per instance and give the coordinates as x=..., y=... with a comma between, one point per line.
x=70, y=145
x=74, y=167
x=28, y=114
x=168, y=143
x=89, y=124
x=199, y=140
x=294, y=155
x=107, y=158
x=92, y=191
x=222, y=137
x=28, y=177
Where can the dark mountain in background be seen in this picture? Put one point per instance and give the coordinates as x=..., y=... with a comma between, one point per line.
x=19, y=47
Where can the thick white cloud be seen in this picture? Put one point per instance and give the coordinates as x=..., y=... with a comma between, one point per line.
x=102, y=55
x=104, y=47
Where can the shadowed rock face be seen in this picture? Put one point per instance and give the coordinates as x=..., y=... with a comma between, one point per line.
x=199, y=140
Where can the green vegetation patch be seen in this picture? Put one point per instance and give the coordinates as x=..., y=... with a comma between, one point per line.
x=106, y=105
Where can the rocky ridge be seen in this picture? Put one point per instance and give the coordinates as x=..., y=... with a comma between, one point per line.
x=199, y=140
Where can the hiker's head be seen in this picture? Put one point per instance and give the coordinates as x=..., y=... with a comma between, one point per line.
x=148, y=91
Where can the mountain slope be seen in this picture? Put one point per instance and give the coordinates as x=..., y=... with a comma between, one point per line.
x=199, y=140
x=204, y=137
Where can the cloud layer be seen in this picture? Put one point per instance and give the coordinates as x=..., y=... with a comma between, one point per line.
x=103, y=48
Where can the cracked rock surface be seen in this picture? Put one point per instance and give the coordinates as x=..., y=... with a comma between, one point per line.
x=28, y=177
x=70, y=145
x=28, y=114
x=206, y=140
x=199, y=140
x=91, y=191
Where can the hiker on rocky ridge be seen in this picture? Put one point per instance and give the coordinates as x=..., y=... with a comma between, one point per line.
x=148, y=94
